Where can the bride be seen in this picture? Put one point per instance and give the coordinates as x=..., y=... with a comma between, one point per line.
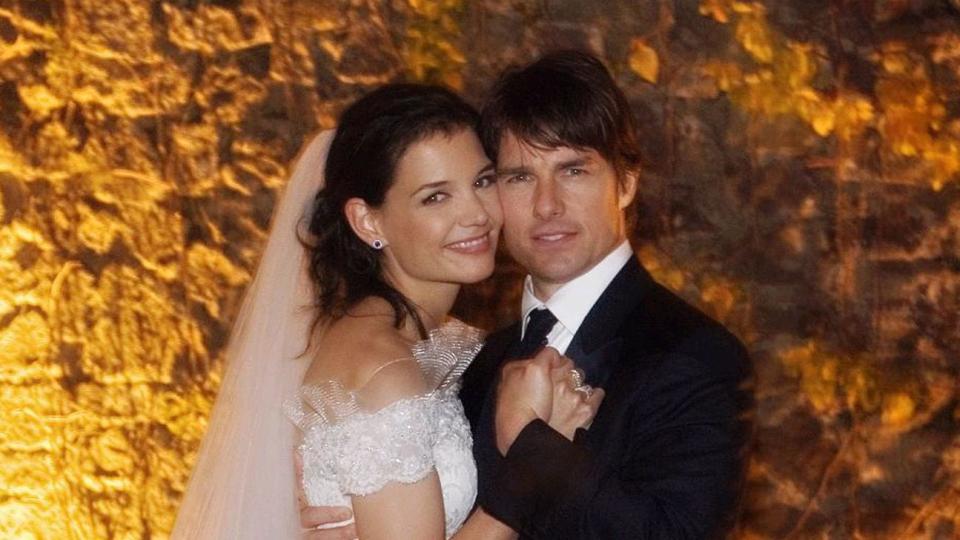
x=346, y=332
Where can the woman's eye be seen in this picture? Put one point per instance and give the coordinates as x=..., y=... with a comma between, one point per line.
x=485, y=181
x=434, y=198
x=576, y=171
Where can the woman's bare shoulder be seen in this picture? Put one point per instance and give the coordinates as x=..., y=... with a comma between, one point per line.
x=353, y=349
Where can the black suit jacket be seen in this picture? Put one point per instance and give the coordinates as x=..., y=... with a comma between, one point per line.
x=666, y=453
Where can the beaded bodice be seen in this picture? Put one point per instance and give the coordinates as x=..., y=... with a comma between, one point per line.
x=349, y=449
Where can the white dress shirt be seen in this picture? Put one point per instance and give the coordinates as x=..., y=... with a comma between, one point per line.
x=574, y=300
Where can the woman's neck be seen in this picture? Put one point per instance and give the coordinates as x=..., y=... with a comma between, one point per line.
x=432, y=302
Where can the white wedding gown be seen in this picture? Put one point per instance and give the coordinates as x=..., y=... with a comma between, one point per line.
x=348, y=448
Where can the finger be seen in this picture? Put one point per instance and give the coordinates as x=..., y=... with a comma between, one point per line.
x=298, y=471
x=560, y=361
x=565, y=398
x=596, y=398
x=561, y=391
x=510, y=367
x=347, y=532
x=562, y=370
x=546, y=357
x=567, y=383
x=589, y=407
x=508, y=374
x=314, y=516
x=559, y=374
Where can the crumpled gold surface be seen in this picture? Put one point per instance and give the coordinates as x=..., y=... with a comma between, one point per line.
x=801, y=186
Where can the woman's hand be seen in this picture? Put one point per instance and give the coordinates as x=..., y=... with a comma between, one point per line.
x=574, y=403
x=525, y=393
x=327, y=523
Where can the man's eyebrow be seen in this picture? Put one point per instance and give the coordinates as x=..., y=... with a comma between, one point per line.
x=513, y=170
x=579, y=161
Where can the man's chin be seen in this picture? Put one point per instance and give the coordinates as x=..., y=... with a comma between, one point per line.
x=556, y=273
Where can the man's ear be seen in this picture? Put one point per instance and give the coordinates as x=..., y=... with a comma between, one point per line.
x=627, y=187
x=364, y=220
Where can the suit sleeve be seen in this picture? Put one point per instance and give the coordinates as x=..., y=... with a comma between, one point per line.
x=679, y=475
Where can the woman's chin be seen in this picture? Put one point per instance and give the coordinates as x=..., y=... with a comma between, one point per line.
x=474, y=275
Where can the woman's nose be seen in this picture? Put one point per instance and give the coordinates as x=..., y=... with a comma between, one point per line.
x=475, y=213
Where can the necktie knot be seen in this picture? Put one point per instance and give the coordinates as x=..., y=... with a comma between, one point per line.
x=539, y=324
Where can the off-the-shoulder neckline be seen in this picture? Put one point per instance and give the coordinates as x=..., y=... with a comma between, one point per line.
x=440, y=335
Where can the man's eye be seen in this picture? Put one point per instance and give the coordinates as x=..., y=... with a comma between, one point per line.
x=517, y=178
x=576, y=171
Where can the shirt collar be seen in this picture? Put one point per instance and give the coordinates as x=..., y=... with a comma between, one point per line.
x=571, y=303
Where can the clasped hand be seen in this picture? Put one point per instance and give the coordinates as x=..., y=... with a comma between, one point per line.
x=542, y=387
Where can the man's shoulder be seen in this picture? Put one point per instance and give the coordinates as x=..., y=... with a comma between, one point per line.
x=665, y=324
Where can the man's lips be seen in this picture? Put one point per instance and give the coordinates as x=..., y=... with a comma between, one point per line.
x=472, y=245
x=552, y=237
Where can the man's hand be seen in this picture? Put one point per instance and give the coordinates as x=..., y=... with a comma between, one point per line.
x=525, y=394
x=572, y=408
x=312, y=517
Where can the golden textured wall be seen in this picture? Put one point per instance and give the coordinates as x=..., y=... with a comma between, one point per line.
x=802, y=186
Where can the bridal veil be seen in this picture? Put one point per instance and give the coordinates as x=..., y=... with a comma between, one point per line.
x=243, y=485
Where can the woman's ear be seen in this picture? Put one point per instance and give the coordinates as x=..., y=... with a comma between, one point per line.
x=365, y=222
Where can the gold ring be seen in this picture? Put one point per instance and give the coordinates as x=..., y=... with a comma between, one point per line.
x=577, y=378
x=584, y=389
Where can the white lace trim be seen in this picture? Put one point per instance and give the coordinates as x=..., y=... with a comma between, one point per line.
x=349, y=451
x=443, y=357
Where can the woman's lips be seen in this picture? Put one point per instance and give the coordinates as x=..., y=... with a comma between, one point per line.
x=472, y=246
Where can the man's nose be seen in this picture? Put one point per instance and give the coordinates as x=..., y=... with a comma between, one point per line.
x=547, y=203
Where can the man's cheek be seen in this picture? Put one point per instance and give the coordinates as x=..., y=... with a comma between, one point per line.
x=512, y=215
x=499, y=199
x=513, y=242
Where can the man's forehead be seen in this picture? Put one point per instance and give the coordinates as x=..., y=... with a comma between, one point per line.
x=514, y=151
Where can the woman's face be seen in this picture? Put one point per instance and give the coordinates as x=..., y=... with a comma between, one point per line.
x=441, y=218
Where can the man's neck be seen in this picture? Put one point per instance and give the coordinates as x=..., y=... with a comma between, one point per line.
x=544, y=289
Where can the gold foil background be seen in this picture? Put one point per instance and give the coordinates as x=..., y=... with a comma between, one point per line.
x=801, y=186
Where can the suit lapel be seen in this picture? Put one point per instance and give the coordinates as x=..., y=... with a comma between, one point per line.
x=598, y=363
x=620, y=297
x=597, y=344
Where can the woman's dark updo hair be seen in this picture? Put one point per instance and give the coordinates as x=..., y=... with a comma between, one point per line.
x=372, y=135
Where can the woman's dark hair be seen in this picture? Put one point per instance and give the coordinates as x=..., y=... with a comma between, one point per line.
x=566, y=98
x=372, y=135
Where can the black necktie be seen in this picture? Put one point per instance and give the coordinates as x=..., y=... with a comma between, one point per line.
x=539, y=325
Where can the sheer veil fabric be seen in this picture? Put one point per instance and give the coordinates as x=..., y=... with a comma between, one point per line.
x=243, y=485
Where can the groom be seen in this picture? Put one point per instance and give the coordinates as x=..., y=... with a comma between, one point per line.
x=665, y=455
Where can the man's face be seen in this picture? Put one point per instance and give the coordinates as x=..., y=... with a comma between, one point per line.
x=562, y=209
